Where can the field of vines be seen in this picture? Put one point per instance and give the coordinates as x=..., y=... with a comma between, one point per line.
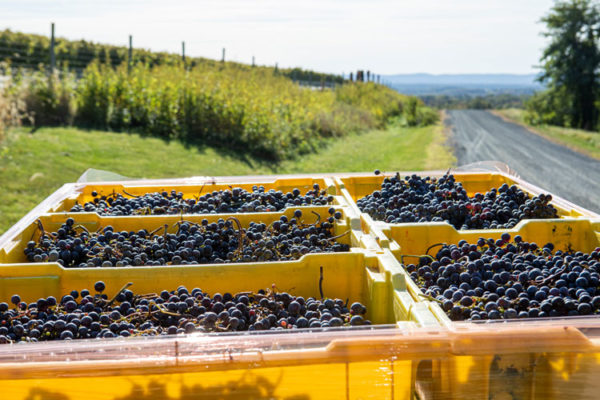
x=253, y=110
x=260, y=111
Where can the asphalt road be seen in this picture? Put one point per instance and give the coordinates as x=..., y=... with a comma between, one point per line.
x=481, y=136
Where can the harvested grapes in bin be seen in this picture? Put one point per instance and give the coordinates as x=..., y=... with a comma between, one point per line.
x=504, y=279
x=92, y=314
x=234, y=200
x=187, y=243
x=418, y=199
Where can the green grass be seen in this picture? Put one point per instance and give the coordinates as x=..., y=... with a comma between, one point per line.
x=582, y=141
x=32, y=166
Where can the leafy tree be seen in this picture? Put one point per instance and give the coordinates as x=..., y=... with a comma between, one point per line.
x=571, y=61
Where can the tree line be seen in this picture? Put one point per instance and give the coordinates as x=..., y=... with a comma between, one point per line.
x=485, y=102
x=570, y=68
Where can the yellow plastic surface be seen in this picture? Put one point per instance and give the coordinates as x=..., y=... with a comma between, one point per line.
x=531, y=370
x=494, y=362
x=84, y=194
x=565, y=234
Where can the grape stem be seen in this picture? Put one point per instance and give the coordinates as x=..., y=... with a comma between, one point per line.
x=434, y=245
x=154, y=231
x=318, y=218
x=130, y=195
x=162, y=310
x=430, y=298
x=41, y=228
x=321, y=282
x=339, y=236
x=550, y=278
x=83, y=228
x=201, y=190
x=118, y=293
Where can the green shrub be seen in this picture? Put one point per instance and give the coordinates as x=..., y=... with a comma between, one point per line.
x=343, y=119
x=417, y=114
x=426, y=116
x=94, y=97
x=10, y=113
x=550, y=107
x=49, y=100
x=380, y=101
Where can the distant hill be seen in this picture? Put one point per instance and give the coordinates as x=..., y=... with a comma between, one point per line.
x=463, y=84
x=471, y=79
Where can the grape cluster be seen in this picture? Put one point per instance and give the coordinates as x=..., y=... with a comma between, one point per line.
x=223, y=241
x=504, y=279
x=83, y=315
x=236, y=200
x=417, y=199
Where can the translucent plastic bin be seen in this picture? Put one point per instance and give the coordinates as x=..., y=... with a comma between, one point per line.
x=474, y=362
x=516, y=361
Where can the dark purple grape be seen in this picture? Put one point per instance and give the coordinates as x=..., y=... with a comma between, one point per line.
x=218, y=242
x=179, y=312
x=416, y=199
x=235, y=200
x=510, y=280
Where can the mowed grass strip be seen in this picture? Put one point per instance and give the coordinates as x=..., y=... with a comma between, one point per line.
x=579, y=140
x=32, y=166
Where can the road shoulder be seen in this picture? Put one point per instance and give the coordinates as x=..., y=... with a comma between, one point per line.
x=440, y=152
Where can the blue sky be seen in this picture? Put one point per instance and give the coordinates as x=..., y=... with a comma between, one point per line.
x=405, y=36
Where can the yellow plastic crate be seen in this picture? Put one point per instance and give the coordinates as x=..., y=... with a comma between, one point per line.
x=82, y=194
x=409, y=240
x=48, y=278
x=492, y=374
x=13, y=242
x=357, y=276
x=470, y=363
x=358, y=187
x=442, y=360
x=354, y=188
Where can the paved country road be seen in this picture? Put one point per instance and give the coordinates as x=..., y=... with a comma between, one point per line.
x=482, y=136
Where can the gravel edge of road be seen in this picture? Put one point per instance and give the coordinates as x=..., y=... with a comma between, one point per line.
x=441, y=142
x=445, y=119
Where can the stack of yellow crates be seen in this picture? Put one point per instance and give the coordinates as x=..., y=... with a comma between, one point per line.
x=411, y=351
